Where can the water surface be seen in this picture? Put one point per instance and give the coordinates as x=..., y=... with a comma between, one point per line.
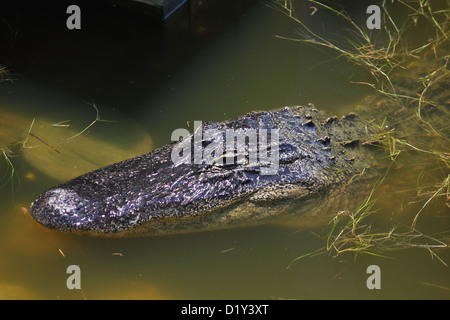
x=225, y=63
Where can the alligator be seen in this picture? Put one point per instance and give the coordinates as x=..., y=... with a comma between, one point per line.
x=323, y=162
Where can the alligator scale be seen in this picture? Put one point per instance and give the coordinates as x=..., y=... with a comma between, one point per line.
x=319, y=159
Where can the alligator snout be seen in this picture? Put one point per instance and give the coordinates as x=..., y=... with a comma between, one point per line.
x=62, y=209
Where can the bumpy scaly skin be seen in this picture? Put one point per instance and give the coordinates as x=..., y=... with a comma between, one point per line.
x=151, y=188
x=319, y=158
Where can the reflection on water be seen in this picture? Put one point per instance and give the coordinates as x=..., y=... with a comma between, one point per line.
x=60, y=151
x=239, y=69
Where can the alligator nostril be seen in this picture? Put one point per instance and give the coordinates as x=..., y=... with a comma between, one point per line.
x=62, y=200
x=60, y=209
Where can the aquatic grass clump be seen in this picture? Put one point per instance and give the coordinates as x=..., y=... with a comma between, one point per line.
x=353, y=232
x=380, y=58
x=393, y=52
x=385, y=139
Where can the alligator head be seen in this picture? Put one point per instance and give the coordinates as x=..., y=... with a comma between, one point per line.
x=289, y=156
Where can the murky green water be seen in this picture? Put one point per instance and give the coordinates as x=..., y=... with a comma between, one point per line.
x=226, y=63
